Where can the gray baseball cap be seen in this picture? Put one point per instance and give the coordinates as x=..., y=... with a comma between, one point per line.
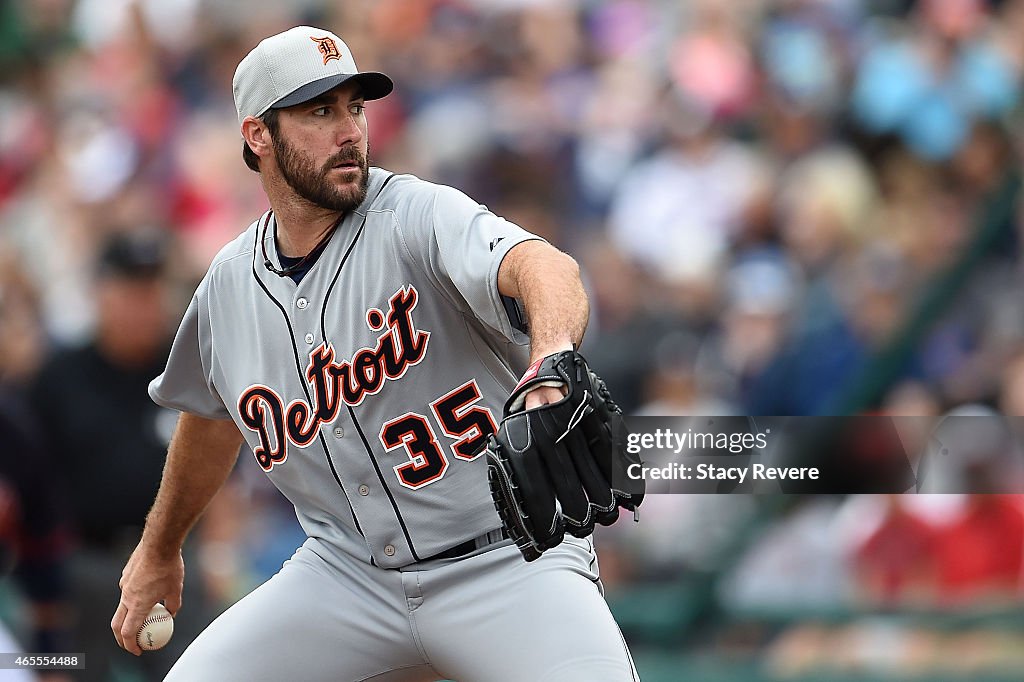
x=295, y=66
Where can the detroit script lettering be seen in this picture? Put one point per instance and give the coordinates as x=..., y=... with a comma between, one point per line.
x=399, y=347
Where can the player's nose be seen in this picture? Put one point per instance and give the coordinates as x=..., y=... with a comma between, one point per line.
x=349, y=131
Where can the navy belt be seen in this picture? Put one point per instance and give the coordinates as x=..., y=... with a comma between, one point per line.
x=464, y=548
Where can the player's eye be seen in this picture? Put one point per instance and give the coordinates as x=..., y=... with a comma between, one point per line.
x=357, y=109
x=321, y=111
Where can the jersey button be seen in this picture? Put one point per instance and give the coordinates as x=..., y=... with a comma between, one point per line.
x=364, y=490
x=389, y=550
x=339, y=432
x=302, y=303
x=309, y=339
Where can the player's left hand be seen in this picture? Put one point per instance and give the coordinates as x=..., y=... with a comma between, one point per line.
x=558, y=461
x=543, y=395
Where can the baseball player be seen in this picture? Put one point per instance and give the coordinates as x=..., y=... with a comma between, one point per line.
x=362, y=337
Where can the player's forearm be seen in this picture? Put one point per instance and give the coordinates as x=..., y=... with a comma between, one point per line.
x=548, y=284
x=200, y=457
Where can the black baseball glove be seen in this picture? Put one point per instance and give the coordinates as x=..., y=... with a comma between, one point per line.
x=560, y=467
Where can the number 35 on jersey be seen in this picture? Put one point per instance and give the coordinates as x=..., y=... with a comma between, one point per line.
x=400, y=346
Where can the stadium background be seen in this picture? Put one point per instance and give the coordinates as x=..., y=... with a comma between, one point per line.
x=780, y=206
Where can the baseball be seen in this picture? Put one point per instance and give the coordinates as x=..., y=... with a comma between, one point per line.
x=156, y=630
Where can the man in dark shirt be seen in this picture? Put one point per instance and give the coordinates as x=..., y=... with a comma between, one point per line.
x=108, y=441
x=33, y=538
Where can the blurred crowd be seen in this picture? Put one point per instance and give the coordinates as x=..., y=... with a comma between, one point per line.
x=781, y=207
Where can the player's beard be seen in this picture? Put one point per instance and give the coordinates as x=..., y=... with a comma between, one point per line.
x=313, y=184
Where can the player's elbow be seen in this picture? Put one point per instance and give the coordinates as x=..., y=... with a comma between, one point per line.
x=561, y=270
x=559, y=261
x=564, y=269
x=571, y=267
x=531, y=261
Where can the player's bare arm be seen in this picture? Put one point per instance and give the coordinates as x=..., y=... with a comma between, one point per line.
x=576, y=420
x=201, y=455
x=548, y=284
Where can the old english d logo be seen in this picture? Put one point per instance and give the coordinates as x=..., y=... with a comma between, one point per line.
x=328, y=48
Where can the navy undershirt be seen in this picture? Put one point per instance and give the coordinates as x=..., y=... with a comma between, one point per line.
x=288, y=261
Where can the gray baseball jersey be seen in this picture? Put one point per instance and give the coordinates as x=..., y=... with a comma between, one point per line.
x=364, y=390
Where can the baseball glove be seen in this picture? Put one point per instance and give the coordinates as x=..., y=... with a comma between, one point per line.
x=560, y=468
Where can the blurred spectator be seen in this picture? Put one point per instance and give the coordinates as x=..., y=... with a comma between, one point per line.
x=33, y=523
x=798, y=561
x=679, y=537
x=762, y=293
x=108, y=441
x=929, y=81
x=981, y=555
x=677, y=212
x=947, y=550
x=33, y=536
x=675, y=385
x=807, y=48
x=970, y=550
x=896, y=564
x=625, y=322
x=612, y=138
x=851, y=302
x=711, y=62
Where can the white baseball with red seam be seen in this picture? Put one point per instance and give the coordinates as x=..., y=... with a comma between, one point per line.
x=156, y=630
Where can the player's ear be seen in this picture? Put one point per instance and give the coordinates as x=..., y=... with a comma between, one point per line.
x=257, y=136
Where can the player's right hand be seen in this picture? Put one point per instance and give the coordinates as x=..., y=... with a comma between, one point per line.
x=148, y=578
